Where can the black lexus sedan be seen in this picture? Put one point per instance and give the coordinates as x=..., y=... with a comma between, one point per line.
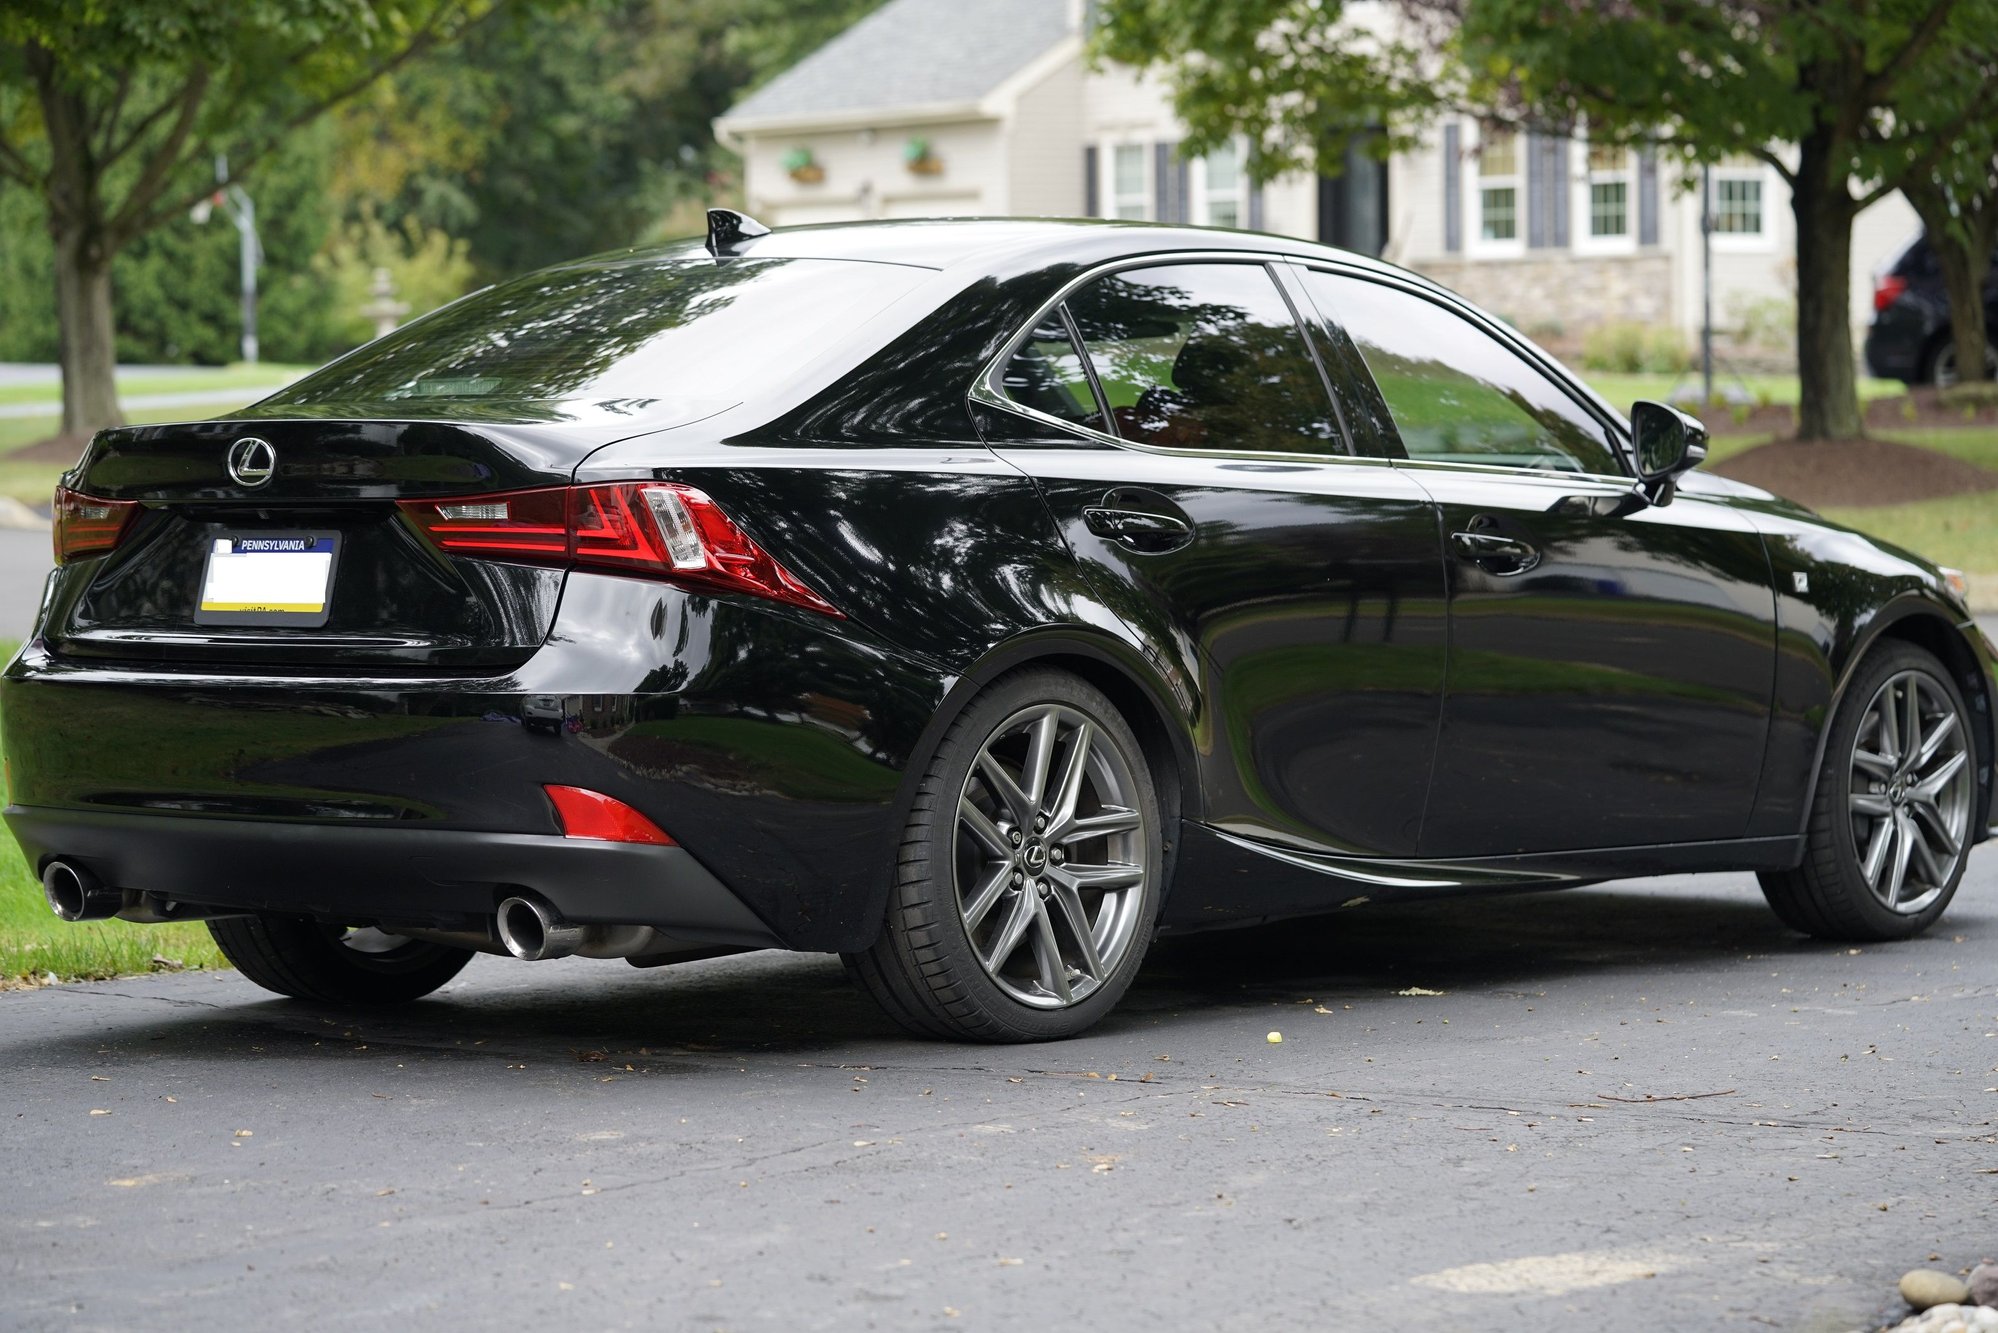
x=974, y=599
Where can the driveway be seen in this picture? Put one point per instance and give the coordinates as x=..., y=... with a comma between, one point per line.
x=1639, y=1105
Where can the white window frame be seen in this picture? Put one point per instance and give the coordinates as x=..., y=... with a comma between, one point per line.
x=1205, y=196
x=1743, y=242
x=1111, y=200
x=1475, y=185
x=1582, y=214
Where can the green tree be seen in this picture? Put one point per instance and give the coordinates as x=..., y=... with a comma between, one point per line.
x=112, y=114
x=543, y=136
x=1811, y=88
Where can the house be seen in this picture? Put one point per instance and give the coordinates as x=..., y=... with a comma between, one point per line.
x=937, y=108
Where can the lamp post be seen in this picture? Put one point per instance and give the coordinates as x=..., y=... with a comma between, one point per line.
x=242, y=210
x=1706, y=286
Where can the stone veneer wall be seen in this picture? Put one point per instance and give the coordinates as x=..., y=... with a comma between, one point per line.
x=1567, y=291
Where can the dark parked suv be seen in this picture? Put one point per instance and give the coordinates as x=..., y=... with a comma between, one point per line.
x=1909, y=339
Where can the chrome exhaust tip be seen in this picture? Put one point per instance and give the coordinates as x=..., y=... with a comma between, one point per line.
x=532, y=931
x=75, y=894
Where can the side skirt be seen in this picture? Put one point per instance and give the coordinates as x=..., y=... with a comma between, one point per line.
x=1224, y=879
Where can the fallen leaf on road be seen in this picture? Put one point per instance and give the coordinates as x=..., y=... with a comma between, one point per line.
x=1418, y=990
x=98, y=1110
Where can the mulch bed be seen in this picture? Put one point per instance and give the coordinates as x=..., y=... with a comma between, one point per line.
x=1920, y=407
x=55, y=449
x=1856, y=472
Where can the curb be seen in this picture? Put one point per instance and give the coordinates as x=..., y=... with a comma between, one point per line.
x=15, y=515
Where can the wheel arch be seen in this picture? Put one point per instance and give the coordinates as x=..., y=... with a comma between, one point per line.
x=1120, y=670
x=1926, y=624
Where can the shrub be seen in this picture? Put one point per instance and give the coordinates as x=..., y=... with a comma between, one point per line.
x=1627, y=347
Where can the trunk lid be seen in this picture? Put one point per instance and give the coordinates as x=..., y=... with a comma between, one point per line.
x=391, y=602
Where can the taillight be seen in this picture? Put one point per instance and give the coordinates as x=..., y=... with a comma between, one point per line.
x=652, y=529
x=588, y=814
x=86, y=525
x=1887, y=290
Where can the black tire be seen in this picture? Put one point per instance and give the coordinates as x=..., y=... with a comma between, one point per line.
x=308, y=960
x=1829, y=896
x=925, y=969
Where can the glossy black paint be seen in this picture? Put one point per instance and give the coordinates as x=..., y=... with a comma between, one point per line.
x=1338, y=701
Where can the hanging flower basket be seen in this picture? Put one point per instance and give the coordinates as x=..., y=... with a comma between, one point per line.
x=920, y=161
x=802, y=167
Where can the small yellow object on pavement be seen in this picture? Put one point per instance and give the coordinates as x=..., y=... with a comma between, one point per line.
x=1274, y=1038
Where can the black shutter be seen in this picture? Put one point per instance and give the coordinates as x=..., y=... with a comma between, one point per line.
x=1453, y=190
x=1092, y=202
x=1647, y=197
x=1162, y=183
x=1255, y=207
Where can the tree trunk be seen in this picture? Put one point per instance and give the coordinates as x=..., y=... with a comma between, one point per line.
x=83, y=250
x=1822, y=203
x=1962, y=246
x=88, y=337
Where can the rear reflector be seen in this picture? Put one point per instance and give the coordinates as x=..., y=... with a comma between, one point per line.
x=86, y=525
x=650, y=529
x=583, y=813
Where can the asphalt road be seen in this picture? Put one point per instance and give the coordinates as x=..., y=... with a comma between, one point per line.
x=745, y=1143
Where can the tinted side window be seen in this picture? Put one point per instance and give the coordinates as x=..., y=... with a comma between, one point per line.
x=1047, y=375
x=1456, y=393
x=1205, y=356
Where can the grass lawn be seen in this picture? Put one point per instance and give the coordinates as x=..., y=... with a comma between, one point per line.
x=1623, y=390
x=34, y=944
x=192, y=379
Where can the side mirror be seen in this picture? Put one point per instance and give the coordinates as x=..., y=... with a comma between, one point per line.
x=1667, y=443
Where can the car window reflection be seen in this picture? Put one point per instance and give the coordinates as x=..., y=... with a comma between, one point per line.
x=1457, y=394
x=1204, y=356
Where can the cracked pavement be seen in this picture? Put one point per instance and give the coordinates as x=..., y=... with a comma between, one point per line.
x=1637, y=1103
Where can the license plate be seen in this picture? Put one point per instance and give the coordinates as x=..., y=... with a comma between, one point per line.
x=278, y=578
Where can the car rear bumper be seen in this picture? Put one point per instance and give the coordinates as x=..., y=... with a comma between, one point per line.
x=771, y=744
x=445, y=879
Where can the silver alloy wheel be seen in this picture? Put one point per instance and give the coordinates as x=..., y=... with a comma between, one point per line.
x=1049, y=856
x=1910, y=794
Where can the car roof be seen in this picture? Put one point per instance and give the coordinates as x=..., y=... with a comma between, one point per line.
x=1010, y=242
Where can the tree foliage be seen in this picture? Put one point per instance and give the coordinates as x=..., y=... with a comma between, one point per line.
x=1821, y=92
x=113, y=115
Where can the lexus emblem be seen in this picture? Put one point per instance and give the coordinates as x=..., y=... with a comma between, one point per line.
x=252, y=462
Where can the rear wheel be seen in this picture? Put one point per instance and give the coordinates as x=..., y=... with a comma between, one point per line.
x=1890, y=822
x=307, y=960
x=1942, y=363
x=1029, y=875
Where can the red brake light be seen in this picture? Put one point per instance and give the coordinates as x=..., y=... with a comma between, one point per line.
x=86, y=525
x=591, y=814
x=650, y=529
x=1887, y=290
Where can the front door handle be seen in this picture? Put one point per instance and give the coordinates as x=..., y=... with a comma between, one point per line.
x=1495, y=552
x=1138, y=530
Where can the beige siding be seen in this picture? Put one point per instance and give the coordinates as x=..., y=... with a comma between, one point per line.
x=866, y=176
x=1043, y=147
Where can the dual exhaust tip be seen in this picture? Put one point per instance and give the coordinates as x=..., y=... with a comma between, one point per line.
x=74, y=894
x=529, y=928
x=532, y=930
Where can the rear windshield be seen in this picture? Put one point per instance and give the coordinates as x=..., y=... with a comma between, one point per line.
x=627, y=333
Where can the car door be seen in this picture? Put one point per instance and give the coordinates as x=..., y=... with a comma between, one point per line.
x=1196, y=464
x=1611, y=661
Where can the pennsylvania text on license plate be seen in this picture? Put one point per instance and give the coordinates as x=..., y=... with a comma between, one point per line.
x=278, y=578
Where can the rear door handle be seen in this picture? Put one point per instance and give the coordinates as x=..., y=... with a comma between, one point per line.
x=1138, y=530
x=1495, y=552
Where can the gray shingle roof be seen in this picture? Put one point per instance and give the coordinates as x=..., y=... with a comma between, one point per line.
x=912, y=53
